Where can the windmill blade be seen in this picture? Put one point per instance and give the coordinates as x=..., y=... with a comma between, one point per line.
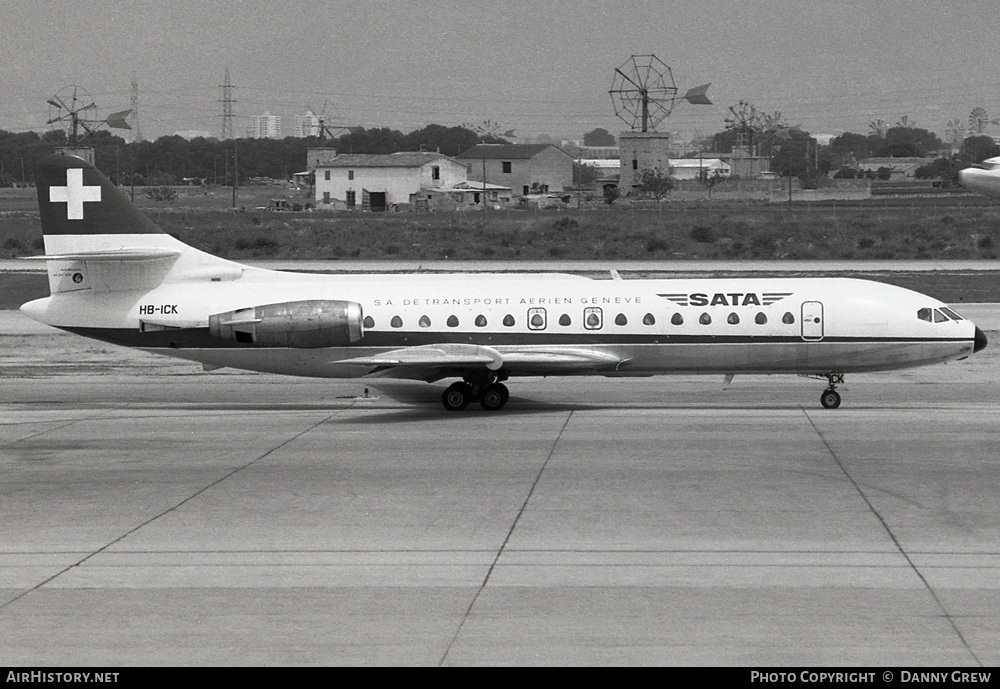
x=626, y=78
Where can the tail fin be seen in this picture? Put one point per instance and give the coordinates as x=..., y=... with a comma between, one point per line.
x=95, y=238
x=75, y=199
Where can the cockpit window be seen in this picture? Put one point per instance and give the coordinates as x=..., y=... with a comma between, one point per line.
x=935, y=315
x=951, y=314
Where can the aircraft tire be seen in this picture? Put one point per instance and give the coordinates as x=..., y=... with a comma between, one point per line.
x=457, y=397
x=830, y=399
x=494, y=397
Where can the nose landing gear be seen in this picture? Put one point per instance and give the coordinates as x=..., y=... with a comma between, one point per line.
x=830, y=399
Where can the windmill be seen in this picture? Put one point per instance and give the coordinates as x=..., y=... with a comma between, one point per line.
x=644, y=93
x=488, y=129
x=978, y=119
x=753, y=128
x=72, y=109
x=955, y=132
x=877, y=128
x=747, y=123
x=324, y=130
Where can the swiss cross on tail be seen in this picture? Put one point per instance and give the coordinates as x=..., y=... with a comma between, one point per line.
x=74, y=194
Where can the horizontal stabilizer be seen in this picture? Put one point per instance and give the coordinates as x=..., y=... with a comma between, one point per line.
x=110, y=255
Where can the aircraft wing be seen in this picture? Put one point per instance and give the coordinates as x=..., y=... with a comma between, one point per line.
x=433, y=362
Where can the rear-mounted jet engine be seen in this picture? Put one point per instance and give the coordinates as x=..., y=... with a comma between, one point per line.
x=303, y=324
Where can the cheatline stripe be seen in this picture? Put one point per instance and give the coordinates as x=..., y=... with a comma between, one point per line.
x=199, y=338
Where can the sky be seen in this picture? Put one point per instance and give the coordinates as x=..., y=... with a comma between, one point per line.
x=536, y=67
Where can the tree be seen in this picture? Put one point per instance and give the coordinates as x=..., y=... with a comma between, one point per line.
x=584, y=174
x=709, y=179
x=363, y=140
x=599, y=137
x=848, y=148
x=942, y=168
x=903, y=141
x=791, y=156
x=655, y=183
x=448, y=140
x=976, y=149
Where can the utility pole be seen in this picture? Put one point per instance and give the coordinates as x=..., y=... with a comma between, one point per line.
x=136, y=133
x=236, y=172
x=227, y=108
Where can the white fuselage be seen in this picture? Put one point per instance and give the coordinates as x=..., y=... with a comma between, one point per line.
x=628, y=327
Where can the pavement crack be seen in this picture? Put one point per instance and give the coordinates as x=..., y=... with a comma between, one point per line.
x=895, y=541
x=166, y=511
x=506, y=540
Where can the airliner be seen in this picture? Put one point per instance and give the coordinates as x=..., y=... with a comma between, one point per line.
x=984, y=178
x=117, y=277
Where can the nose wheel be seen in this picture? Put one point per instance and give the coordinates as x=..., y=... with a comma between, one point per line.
x=830, y=399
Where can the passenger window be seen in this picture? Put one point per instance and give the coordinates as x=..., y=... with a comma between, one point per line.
x=452, y=321
x=593, y=318
x=734, y=318
x=620, y=319
x=565, y=320
x=924, y=315
x=480, y=321
x=396, y=322
x=649, y=319
x=760, y=318
x=788, y=318
x=677, y=319
x=424, y=322
x=536, y=319
x=369, y=322
x=508, y=321
x=705, y=319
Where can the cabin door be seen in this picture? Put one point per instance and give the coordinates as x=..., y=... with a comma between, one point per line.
x=812, y=320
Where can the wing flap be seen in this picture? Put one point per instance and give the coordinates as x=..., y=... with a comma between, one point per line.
x=448, y=355
x=538, y=360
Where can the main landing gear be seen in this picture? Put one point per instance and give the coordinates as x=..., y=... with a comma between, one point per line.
x=492, y=395
x=830, y=399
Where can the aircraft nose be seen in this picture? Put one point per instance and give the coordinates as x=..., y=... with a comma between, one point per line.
x=979, y=343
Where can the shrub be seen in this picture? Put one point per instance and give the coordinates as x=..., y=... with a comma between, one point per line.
x=655, y=244
x=703, y=234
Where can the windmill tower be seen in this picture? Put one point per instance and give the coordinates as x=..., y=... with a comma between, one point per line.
x=643, y=93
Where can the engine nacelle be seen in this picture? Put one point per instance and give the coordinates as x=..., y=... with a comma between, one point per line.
x=306, y=324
